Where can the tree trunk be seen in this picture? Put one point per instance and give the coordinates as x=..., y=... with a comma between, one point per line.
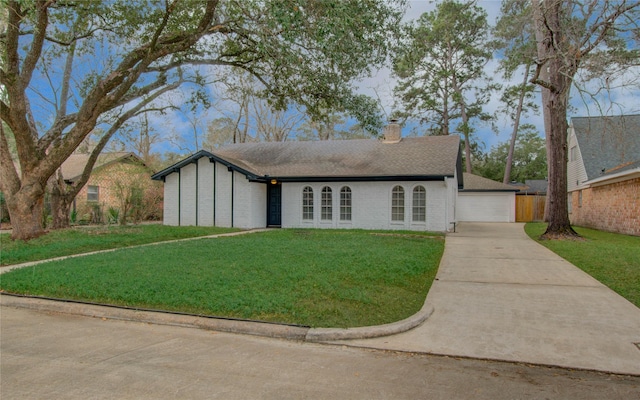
x=516, y=125
x=60, y=209
x=555, y=76
x=25, y=210
x=557, y=206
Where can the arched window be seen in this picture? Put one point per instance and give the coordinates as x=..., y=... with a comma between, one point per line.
x=307, y=203
x=397, y=204
x=419, y=204
x=345, y=203
x=326, y=204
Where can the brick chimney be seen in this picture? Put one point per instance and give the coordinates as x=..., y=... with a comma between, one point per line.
x=392, y=132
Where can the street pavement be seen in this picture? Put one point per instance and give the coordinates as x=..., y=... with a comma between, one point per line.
x=63, y=356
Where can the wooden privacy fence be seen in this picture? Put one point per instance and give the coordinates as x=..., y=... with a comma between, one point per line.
x=530, y=208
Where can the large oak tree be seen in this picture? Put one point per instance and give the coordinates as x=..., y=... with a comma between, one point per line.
x=126, y=53
x=593, y=39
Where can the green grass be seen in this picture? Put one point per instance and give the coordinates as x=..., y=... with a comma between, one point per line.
x=611, y=258
x=85, y=239
x=322, y=278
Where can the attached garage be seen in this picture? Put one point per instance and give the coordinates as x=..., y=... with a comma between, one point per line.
x=484, y=200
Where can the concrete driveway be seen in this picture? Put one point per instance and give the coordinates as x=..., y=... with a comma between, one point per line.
x=500, y=295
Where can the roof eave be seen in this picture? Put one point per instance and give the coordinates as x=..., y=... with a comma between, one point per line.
x=489, y=190
x=614, y=178
x=363, y=178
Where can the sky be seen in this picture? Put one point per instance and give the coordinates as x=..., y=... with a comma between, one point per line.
x=381, y=84
x=622, y=101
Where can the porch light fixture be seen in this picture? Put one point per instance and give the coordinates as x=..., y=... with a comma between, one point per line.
x=273, y=181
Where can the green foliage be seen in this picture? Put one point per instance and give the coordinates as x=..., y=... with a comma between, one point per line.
x=273, y=276
x=114, y=215
x=110, y=61
x=611, y=258
x=64, y=242
x=529, y=158
x=440, y=65
x=514, y=36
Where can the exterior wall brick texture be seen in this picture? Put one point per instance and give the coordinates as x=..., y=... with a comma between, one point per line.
x=612, y=208
x=105, y=179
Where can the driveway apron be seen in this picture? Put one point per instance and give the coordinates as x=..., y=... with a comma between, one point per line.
x=500, y=295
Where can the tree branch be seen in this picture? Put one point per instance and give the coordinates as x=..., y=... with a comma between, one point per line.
x=33, y=55
x=138, y=109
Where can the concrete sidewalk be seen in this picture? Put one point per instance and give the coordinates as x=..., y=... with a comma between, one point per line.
x=500, y=295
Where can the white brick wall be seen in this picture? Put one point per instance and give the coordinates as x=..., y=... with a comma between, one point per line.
x=258, y=205
x=205, y=192
x=170, y=216
x=371, y=201
x=371, y=206
x=223, y=195
x=188, y=195
x=250, y=207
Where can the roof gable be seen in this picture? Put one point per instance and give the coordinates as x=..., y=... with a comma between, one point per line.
x=608, y=144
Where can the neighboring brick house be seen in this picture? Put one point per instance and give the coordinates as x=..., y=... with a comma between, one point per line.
x=603, y=174
x=112, y=175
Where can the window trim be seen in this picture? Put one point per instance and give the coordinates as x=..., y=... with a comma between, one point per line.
x=397, y=204
x=346, y=204
x=91, y=194
x=326, y=204
x=307, y=203
x=419, y=210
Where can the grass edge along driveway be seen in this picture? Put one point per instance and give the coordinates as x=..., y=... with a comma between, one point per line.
x=320, y=278
x=611, y=258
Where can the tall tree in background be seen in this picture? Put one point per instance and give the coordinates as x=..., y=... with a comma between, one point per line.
x=597, y=36
x=514, y=38
x=529, y=158
x=300, y=51
x=441, y=68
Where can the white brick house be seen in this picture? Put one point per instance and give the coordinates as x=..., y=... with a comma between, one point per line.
x=394, y=183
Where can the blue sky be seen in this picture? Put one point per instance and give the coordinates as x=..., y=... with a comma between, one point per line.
x=622, y=100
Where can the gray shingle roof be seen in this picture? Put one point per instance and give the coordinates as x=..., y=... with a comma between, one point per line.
x=425, y=156
x=608, y=144
x=476, y=183
x=431, y=157
x=534, y=186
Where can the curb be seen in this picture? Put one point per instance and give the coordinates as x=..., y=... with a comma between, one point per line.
x=368, y=332
x=230, y=325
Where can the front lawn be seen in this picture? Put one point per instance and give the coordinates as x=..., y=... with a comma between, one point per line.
x=77, y=240
x=611, y=258
x=326, y=278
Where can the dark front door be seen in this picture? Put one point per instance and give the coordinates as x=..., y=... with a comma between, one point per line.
x=274, y=204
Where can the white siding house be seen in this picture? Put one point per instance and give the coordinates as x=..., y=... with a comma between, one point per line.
x=408, y=184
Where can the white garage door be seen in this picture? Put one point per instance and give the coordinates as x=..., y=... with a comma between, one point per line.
x=486, y=207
